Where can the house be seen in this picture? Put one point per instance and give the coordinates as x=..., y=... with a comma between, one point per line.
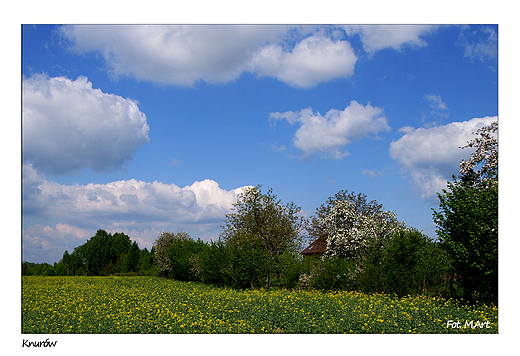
x=317, y=248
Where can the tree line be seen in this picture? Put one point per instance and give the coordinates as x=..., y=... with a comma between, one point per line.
x=365, y=248
x=103, y=254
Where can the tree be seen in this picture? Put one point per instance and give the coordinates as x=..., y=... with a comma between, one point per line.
x=161, y=244
x=262, y=221
x=485, y=156
x=215, y=263
x=467, y=219
x=184, y=260
x=316, y=228
x=132, y=258
x=413, y=263
x=350, y=230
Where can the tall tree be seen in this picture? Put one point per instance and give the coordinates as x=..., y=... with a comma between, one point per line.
x=132, y=258
x=467, y=219
x=262, y=220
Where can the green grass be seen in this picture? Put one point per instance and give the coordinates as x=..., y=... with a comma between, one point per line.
x=153, y=305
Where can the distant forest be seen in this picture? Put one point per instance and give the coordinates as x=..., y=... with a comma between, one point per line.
x=103, y=254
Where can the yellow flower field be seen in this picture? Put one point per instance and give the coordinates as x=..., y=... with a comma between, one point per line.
x=153, y=305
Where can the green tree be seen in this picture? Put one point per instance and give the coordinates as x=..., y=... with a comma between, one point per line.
x=160, y=246
x=214, y=263
x=262, y=221
x=132, y=258
x=412, y=264
x=467, y=223
x=467, y=219
x=145, y=266
x=248, y=264
x=183, y=257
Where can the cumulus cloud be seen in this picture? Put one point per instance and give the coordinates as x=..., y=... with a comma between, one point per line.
x=140, y=209
x=331, y=132
x=43, y=243
x=183, y=55
x=378, y=37
x=125, y=203
x=68, y=126
x=313, y=60
x=431, y=156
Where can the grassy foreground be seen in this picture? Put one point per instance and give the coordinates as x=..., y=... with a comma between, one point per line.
x=153, y=305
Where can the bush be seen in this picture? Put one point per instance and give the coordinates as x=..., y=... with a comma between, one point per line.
x=248, y=265
x=409, y=263
x=289, y=267
x=183, y=259
x=214, y=263
x=333, y=273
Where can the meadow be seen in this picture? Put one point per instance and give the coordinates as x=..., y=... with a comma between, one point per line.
x=153, y=305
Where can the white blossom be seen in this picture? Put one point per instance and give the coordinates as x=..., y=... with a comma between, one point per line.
x=485, y=156
x=349, y=232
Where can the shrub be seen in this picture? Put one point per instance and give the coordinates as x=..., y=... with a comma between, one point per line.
x=183, y=259
x=214, y=264
x=289, y=267
x=409, y=263
x=333, y=273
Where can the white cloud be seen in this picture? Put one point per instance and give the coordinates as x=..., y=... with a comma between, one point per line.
x=438, y=107
x=140, y=209
x=481, y=44
x=175, y=162
x=183, y=55
x=129, y=203
x=371, y=173
x=378, y=37
x=43, y=243
x=68, y=126
x=432, y=156
x=330, y=133
x=313, y=60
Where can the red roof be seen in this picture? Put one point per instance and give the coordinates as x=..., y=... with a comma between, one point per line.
x=317, y=247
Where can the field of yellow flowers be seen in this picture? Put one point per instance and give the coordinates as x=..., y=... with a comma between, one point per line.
x=154, y=305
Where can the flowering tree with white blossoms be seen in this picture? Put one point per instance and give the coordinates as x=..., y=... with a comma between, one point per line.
x=485, y=156
x=350, y=232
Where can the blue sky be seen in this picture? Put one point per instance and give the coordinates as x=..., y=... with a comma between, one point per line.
x=141, y=129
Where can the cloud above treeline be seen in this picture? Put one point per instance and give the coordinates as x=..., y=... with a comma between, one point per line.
x=69, y=126
x=300, y=56
x=430, y=156
x=140, y=209
x=126, y=202
x=329, y=134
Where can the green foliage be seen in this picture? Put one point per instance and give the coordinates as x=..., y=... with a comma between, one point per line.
x=410, y=263
x=467, y=219
x=102, y=255
x=467, y=223
x=333, y=273
x=161, y=244
x=214, y=263
x=248, y=265
x=289, y=268
x=183, y=255
x=262, y=221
